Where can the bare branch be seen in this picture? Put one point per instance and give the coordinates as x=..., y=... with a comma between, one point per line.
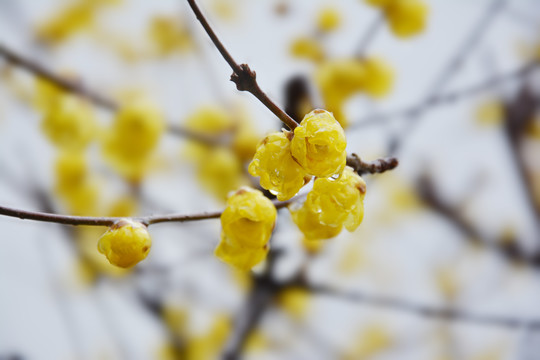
x=369, y=35
x=372, y=167
x=108, y=221
x=64, y=83
x=446, y=98
x=424, y=310
x=77, y=87
x=260, y=298
x=508, y=249
x=244, y=78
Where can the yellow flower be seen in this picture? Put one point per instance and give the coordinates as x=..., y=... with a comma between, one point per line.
x=379, y=78
x=339, y=201
x=69, y=123
x=208, y=344
x=490, y=112
x=71, y=171
x=279, y=172
x=307, y=48
x=338, y=80
x=168, y=35
x=247, y=225
x=407, y=17
x=210, y=120
x=67, y=22
x=295, y=302
x=328, y=19
x=307, y=220
x=378, y=3
x=46, y=94
x=132, y=138
x=137, y=128
x=369, y=342
x=220, y=172
x=319, y=144
x=125, y=243
x=73, y=184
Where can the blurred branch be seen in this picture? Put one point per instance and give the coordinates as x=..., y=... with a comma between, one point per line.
x=64, y=83
x=108, y=221
x=77, y=87
x=264, y=290
x=519, y=113
x=369, y=35
x=371, y=167
x=447, y=98
x=469, y=44
x=421, y=309
x=509, y=248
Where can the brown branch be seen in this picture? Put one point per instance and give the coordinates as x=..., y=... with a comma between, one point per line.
x=372, y=167
x=446, y=98
x=244, y=78
x=469, y=44
x=519, y=112
x=108, y=221
x=508, y=249
x=77, y=87
x=369, y=35
x=422, y=309
x=258, y=301
x=64, y=83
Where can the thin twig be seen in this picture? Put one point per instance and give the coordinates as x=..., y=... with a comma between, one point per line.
x=508, y=249
x=424, y=310
x=448, y=71
x=108, y=221
x=369, y=35
x=371, y=167
x=78, y=87
x=64, y=83
x=446, y=98
x=244, y=78
x=258, y=301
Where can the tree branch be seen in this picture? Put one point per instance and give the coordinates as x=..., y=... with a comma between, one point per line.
x=244, y=78
x=369, y=35
x=77, y=87
x=455, y=63
x=508, y=249
x=422, y=309
x=446, y=98
x=257, y=303
x=108, y=221
x=372, y=167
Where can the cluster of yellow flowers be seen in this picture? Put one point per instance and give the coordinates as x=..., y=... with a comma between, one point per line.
x=405, y=18
x=285, y=162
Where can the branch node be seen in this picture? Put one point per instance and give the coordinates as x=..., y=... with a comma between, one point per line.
x=245, y=78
